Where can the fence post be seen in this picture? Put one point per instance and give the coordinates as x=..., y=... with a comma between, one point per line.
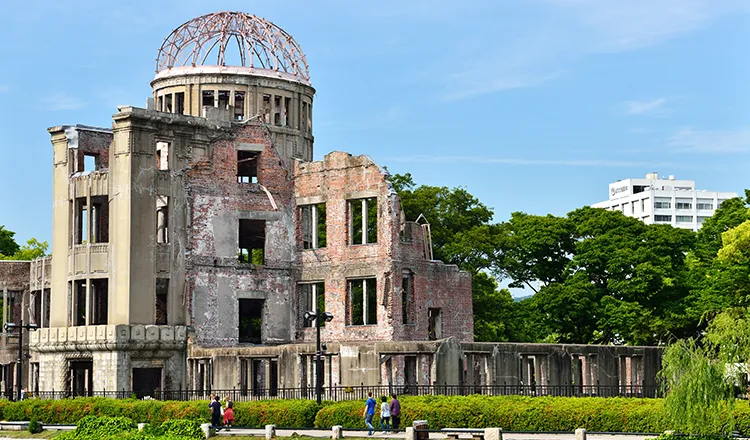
x=493, y=434
x=581, y=434
x=337, y=432
x=271, y=432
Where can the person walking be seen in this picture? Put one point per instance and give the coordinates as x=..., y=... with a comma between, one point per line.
x=385, y=415
x=229, y=413
x=395, y=412
x=216, y=413
x=369, y=412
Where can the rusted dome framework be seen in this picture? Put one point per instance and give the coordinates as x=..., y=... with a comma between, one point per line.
x=261, y=44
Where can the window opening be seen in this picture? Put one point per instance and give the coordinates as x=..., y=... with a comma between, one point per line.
x=162, y=219
x=247, y=166
x=251, y=320
x=208, y=98
x=434, y=324
x=303, y=119
x=160, y=103
x=168, y=103
x=363, y=221
x=311, y=298
x=146, y=382
x=287, y=106
x=277, y=110
x=80, y=302
x=162, y=155
x=362, y=298
x=313, y=226
x=266, y=108
x=239, y=106
x=224, y=99
x=162, y=293
x=273, y=378
x=252, y=241
x=410, y=374
x=100, y=289
x=179, y=104
x=662, y=218
x=407, y=297
x=99, y=219
x=81, y=219
x=90, y=162
x=259, y=376
x=81, y=378
x=244, y=365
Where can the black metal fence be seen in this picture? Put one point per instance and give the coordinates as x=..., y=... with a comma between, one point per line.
x=343, y=393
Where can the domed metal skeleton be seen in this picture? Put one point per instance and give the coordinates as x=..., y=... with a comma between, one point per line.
x=261, y=44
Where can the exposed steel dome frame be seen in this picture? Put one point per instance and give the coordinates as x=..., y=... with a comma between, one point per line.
x=261, y=44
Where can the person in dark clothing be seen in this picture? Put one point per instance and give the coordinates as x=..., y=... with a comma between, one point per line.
x=215, y=412
x=395, y=412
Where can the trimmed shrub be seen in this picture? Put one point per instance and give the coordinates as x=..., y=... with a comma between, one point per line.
x=513, y=413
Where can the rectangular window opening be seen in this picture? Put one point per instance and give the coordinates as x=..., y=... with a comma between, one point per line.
x=363, y=221
x=162, y=156
x=252, y=241
x=179, y=104
x=224, y=99
x=162, y=219
x=100, y=219
x=239, y=106
x=684, y=219
x=663, y=218
x=313, y=219
x=408, y=305
x=160, y=103
x=162, y=294
x=251, y=320
x=208, y=98
x=287, y=106
x=303, y=119
x=266, y=108
x=168, y=103
x=434, y=324
x=311, y=299
x=81, y=221
x=80, y=302
x=100, y=297
x=90, y=162
x=247, y=166
x=277, y=110
x=362, y=304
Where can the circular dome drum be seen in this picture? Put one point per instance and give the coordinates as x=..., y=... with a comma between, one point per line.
x=237, y=38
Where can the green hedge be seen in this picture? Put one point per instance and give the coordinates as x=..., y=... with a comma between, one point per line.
x=282, y=413
x=514, y=413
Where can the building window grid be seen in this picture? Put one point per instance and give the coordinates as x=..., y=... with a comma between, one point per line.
x=663, y=218
x=684, y=219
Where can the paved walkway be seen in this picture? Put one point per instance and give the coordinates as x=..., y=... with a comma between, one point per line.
x=326, y=433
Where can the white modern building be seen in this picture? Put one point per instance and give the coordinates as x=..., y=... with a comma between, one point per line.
x=663, y=200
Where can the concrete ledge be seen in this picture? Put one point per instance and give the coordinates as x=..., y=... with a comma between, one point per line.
x=14, y=426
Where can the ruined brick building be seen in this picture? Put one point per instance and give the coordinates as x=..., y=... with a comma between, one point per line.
x=190, y=239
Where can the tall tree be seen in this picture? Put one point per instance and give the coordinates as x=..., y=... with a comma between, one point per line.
x=8, y=245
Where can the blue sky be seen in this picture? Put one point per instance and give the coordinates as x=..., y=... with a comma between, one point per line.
x=532, y=105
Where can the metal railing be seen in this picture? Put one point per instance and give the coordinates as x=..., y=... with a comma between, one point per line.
x=358, y=392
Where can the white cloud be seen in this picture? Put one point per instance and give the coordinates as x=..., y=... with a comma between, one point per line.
x=728, y=141
x=62, y=101
x=594, y=163
x=565, y=31
x=653, y=106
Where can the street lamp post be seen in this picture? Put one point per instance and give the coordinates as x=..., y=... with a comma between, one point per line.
x=319, y=318
x=19, y=374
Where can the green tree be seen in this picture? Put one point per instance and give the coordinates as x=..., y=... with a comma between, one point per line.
x=8, y=245
x=702, y=376
x=31, y=250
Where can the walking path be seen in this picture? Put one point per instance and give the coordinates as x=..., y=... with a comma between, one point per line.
x=326, y=433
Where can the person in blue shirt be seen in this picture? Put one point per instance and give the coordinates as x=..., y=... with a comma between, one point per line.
x=369, y=413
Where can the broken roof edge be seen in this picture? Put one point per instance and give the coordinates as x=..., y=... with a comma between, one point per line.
x=79, y=127
x=129, y=111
